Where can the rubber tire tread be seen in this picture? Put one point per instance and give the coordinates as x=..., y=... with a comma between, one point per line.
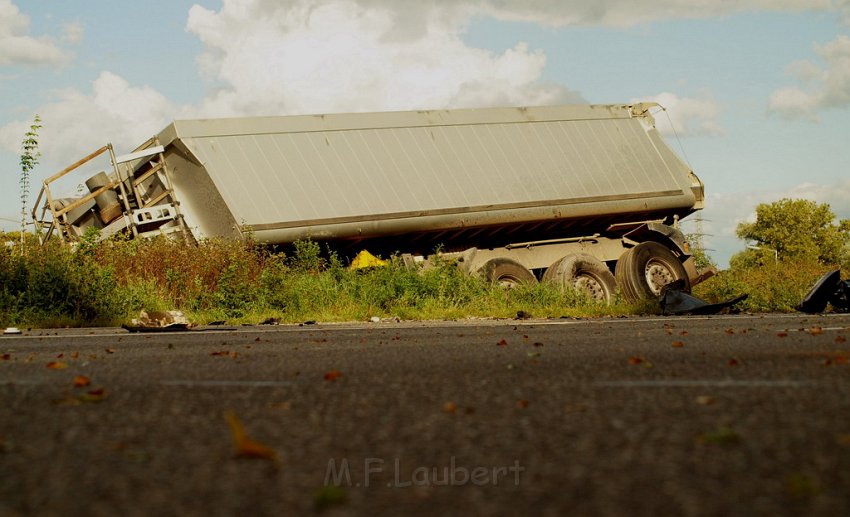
x=630, y=271
x=499, y=267
x=566, y=269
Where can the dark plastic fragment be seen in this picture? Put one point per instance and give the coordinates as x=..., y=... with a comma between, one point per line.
x=674, y=301
x=829, y=289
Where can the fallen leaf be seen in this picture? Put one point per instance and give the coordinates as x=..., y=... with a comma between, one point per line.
x=840, y=339
x=502, y=343
x=449, y=407
x=729, y=331
x=93, y=395
x=56, y=365
x=678, y=344
x=234, y=355
x=683, y=333
x=110, y=350
x=732, y=362
x=245, y=446
x=75, y=355
x=333, y=375
x=635, y=360
x=5, y=357
x=521, y=403
x=60, y=356
x=81, y=381
x=220, y=353
x=669, y=332
x=816, y=331
x=782, y=334
x=705, y=400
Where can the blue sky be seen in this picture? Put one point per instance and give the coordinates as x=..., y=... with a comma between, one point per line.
x=758, y=91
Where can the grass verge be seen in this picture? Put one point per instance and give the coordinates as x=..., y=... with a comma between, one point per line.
x=108, y=283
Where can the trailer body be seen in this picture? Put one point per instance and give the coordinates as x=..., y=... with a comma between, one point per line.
x=528, y=185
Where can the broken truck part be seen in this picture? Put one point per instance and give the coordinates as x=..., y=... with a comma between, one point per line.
x=828, y=290
x=586, y=195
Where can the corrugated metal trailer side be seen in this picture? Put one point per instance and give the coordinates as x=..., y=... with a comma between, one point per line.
x=355, y=176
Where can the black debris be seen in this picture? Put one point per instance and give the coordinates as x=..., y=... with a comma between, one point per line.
x=675, y=301
x=829, y=289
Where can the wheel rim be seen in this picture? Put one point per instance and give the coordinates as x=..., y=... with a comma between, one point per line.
x=592, y=286
x=508, y=281
x=658, y=274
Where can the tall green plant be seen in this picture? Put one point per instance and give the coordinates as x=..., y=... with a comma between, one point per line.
x=29, y=159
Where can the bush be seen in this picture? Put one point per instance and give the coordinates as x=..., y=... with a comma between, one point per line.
x=772, y=286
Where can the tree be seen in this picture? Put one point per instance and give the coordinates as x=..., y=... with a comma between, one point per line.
x=29, y=159
x=798, y=229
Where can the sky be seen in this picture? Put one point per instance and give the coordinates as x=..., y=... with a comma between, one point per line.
x=757, y=92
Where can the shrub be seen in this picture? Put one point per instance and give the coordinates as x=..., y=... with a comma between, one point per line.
x=772, y=286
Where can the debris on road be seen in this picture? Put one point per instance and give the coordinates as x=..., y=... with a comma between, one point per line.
x=675, y=301
x=829, y=289
x=158, y=321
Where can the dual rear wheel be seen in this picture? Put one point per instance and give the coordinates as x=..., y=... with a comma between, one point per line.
x=641, y=273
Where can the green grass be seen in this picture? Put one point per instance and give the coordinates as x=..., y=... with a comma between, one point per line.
x=108, y=283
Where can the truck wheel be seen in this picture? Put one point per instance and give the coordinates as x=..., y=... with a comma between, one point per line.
x=585, y=273
x=506, y=272
x=643, y=270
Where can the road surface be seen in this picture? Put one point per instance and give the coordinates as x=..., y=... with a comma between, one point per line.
x=733, y=415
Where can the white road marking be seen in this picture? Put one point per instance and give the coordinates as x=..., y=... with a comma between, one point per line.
x=217, y=383
x=707, y=383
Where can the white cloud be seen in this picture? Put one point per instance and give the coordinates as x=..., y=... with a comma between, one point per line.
x=631, y=12
x=78, y=123
x=685, y=116
x=823, y=87
x=342, y=55
x=17, y=46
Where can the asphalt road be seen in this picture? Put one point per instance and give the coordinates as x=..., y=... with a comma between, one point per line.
x=737, y=415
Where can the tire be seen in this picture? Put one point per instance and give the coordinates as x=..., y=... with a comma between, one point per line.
x=584, y=273
x=506, y=272
x=643, y=270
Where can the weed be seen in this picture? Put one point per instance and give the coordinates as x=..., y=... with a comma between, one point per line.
x=104, y=282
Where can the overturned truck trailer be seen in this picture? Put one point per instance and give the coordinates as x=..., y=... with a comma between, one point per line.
x=585, y=195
